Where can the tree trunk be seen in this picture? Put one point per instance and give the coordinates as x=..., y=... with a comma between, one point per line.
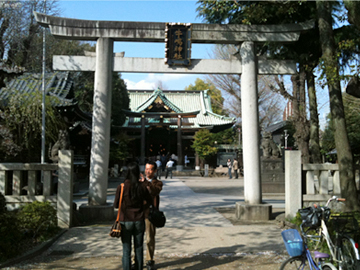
x=344, y=154
x=27, y=43
x=314, y=147
x=4, y=26
x=301, y=124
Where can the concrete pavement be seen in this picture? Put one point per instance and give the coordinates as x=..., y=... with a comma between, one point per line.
x=193, y=225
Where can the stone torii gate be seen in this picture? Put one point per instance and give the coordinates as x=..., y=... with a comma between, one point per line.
x=105, y=33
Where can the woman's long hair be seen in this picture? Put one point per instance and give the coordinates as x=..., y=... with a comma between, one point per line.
x=133, y=174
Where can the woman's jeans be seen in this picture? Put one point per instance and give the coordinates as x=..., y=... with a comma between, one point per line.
x=229, y=170
x=135, y=229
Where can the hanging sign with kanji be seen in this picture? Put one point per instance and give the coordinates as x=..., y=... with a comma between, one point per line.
x=178, y=44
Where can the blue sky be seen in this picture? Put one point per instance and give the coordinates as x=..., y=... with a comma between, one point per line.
x=150, y=11
x=154, y=11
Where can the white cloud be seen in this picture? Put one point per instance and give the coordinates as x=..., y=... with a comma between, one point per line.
x=140, y=85
x=141, y=81
x=152, y=77
x=173, y=81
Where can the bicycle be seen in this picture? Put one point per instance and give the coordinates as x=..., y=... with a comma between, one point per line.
x=344, y=251
x=301, y=258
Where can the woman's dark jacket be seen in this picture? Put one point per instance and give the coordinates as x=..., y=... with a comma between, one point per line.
x=132, y=211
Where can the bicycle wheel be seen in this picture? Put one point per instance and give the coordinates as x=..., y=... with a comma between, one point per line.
x=314, y=240
x=347, y=255
x=293, y=263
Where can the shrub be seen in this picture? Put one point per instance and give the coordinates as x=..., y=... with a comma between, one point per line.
x=38, y=220
x=2, y=204
x=10, y=234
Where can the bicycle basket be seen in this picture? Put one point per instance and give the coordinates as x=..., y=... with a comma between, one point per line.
x=344, y=223
x=293, y=242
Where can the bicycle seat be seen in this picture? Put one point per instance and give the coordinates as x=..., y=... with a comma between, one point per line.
x=319, y=255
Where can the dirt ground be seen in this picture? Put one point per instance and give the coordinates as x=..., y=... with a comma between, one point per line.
x=213, y=262
x=264, y=261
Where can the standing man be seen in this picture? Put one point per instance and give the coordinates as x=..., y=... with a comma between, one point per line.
x=229, y=167
x=154, y=186
x=163, y=160
x=236, y=167
x=158, y=168
x=169, y=168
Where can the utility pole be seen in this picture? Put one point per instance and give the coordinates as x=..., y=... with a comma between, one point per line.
x=43, y=97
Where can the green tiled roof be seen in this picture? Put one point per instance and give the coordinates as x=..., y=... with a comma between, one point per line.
x=179, y=101
x=58, y=86
x=158, y=93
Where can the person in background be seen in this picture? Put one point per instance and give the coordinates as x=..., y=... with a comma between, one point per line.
x=158, y=166
x=132, y=215
x=163, y=160
x=155, y=186
x=169, y=168
x=187, y=161
x=236, y=167
x=229, y=167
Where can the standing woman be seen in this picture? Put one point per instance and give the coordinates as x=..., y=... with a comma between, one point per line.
x=132, y=218
x=229, y=167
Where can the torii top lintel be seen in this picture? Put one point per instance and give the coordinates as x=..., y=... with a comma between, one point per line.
x=67, y=28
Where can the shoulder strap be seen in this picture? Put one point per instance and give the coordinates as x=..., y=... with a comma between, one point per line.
x=121, y=195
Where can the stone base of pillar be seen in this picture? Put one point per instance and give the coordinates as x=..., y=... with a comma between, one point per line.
x=180, y=168
x=197, y=168
x=253, y=211
x=97, y=212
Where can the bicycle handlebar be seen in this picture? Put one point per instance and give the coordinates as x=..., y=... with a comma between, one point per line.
x=335, y=198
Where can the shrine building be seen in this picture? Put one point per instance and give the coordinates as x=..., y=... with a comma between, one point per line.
x=164, y=122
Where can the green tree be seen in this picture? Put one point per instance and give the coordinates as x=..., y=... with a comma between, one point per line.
x=227, y=136
x=21, y=123
x=84, y=92
x=331, y=70
x=204, y=144
x=217, y=101
x=327, y=138
x=306, y=52
x=119, y=148
x=352, y=118
x=19, y=29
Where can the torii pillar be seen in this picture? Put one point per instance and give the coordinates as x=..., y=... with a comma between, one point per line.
x=105, y=33
x=101, y=119
x=250, y=124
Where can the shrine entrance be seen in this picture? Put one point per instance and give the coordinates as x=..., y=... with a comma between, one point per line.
x=246, y=63
x=160, y=141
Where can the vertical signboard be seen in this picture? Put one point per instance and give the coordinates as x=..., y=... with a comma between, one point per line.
x=178, y=44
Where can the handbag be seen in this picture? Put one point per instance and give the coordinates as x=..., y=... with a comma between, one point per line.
x=156, y=217
x=116, y=227
x=311, y=216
